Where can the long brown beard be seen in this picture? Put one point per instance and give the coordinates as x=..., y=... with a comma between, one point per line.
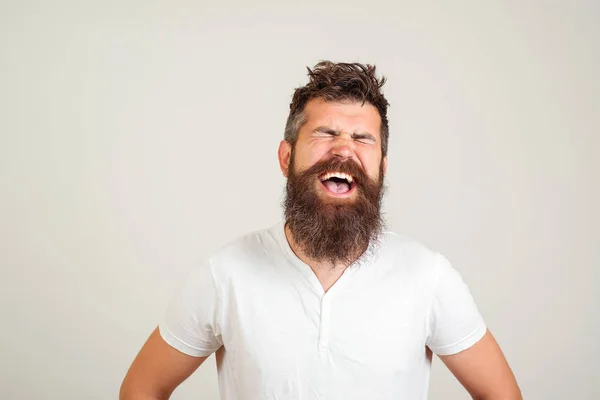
x=337, y=231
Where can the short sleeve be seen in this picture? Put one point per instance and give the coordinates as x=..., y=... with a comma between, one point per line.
x=455, y=323
x=191, y=323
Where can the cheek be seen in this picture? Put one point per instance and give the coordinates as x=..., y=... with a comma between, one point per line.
x=371, y=164
x=310, y=155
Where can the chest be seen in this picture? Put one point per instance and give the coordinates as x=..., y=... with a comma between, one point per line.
x=370, y=327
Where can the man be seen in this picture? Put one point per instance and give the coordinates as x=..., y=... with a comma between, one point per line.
x=326, y=305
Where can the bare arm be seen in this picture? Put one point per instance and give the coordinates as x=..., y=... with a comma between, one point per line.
x=157, y=370
x=483, y=371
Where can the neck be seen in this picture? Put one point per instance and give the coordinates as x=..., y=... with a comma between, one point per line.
x=327, y=272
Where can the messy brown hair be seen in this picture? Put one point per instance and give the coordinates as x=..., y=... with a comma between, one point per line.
x=339, y=82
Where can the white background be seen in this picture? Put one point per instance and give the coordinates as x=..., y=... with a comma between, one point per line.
x=138, y=137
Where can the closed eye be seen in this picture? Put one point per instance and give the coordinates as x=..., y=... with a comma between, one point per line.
x=364, y=138
x=326, y=132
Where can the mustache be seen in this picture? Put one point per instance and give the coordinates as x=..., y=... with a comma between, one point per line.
x=335, y=164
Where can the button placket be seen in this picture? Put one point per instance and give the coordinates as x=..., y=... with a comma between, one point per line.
x=325, y=322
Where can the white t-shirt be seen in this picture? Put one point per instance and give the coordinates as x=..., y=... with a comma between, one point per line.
x=279, y=336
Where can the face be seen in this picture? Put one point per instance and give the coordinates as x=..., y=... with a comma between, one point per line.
x=344, y=131
x=335, y=181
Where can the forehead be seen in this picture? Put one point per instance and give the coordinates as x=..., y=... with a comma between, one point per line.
x=347, y=116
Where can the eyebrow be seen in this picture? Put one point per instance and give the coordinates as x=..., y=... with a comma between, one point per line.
x=355, y=135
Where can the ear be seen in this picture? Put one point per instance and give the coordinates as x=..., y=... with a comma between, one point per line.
x=284, y=154
x=384, y=165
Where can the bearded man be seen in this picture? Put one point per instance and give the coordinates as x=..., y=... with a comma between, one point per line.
x=326, y=304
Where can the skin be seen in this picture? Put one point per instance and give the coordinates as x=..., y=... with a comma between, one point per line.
x=157, y=371
x=346, y=130
x=483, y=371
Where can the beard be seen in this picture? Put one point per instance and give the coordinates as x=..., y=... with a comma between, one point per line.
x=333, y=230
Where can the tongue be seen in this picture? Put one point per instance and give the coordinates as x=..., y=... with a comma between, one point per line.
x=337, y=187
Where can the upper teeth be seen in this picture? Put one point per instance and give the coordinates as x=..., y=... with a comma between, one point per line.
x=340, y=175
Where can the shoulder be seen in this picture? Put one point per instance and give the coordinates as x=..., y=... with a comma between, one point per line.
x=245, y=252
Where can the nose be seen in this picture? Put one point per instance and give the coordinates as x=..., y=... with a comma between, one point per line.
x=343, y=148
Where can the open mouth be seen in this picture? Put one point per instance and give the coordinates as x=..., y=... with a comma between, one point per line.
x=338, y=183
